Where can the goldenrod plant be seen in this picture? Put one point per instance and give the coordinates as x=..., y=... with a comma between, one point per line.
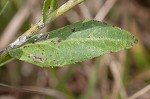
x=67, y=45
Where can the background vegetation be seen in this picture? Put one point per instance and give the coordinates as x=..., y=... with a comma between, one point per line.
x=122, y=75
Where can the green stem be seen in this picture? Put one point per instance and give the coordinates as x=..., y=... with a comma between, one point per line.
x=4, y=54
x=64, y=8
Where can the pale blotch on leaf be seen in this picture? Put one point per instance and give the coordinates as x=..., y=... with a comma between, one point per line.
x=37, y=59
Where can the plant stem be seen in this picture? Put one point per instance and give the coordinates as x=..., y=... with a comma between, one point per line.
x=4, y=54
x=64, y=8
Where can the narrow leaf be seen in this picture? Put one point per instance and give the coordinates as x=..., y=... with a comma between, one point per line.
x=49, y=7
x=75, y=43
x=4, y=7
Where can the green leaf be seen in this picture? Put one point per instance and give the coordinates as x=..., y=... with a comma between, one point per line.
x=4, y=7
x=75, y=43
x=49, y=7
x=5, y=57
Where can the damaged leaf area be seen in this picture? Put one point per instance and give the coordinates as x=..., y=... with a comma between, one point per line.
x=74, y=43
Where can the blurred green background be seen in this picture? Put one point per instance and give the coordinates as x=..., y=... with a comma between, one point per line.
x=112, y=76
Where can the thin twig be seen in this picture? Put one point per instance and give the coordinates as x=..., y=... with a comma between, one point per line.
x=116, y=74
x=37, y=90
x=76, y=17
x=64, y=8
x=104, y=10
x=141, y=92
x=118, y=84
x=85, y=11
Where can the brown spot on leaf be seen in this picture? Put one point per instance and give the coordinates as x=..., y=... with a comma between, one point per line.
x=73, y=30
x=111, y=51
x=105, y=23
x=136, y=41
x=54, y=42
x=25, y=46
x=33, y=42
x=59, y=40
